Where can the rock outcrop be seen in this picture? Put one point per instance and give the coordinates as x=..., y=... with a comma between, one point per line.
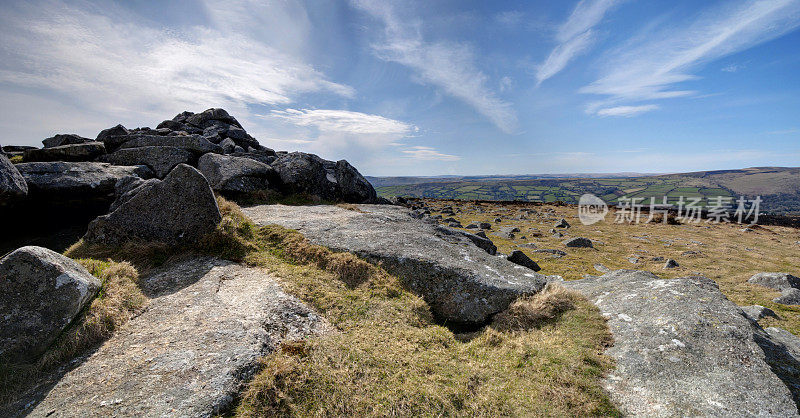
x=159, y=159
x=64, y=139
x=193, y=143
x=310, y=174
x=12, y=184
x=777, y=281
x=461, y=282
x=191, y=352
x=230, y=174
x=87, y=151
x=75, y=179
x=42, y=293
x=175, y=211
x=683, y=349
x=518, y=257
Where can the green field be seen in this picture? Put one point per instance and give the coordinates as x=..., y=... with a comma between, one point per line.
x=703, y=185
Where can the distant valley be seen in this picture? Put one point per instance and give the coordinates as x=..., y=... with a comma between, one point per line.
x=779, y=187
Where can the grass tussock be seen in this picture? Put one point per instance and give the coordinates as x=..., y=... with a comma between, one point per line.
x=390, y=357
x=16, y=159
x=118, y=300
x=535, y=311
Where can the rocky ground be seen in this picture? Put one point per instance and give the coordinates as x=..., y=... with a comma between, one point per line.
x=177, y=303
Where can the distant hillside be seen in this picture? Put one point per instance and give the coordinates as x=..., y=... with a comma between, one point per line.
x=779, y=187
x=398, y=181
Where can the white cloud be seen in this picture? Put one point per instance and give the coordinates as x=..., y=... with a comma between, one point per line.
x=649, y=67
x=447, y=65
x=345, y=121
x=575, y=36
x=732, y=68
x=429, y=154
x=114, y=64
x=626, y=111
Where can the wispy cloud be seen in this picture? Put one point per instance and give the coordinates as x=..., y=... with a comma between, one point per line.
x=732, y=68
x=649, y=68
x=626, y=111
x=116, y=64
x=449, y=66
x=429, y=154
x=345, y=121
x=575, y=36
x=784, y=131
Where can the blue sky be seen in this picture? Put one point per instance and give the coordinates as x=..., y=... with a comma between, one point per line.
x=424, y=87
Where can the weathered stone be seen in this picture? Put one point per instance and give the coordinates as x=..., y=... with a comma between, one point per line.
x=461, y=282
x=12, y=184
x=74, y=152
x=160, y=159
x=202, y=119
x=509, y=229
x=105, y=136
x=777, y=281
x=234, y=174
x=554, y=253
x=257, y=156
x=789, y=296
x=74, y=180
x=757, y=312
x=64, y=139
x=481, y=242
x=578, y=242
x=670, y=264
x=42, y=293
x=194, y=143
x=192, y=352
x=682, y=349
x=485, y=225
x=518, y=257
x=178, y=210
x=339, y=181
x=562, y=224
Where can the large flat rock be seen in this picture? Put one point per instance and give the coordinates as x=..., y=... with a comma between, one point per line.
x=683, y=349
x=461, y=282
x=191, y=352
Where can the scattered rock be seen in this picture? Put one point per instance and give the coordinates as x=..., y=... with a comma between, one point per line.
x=234, y=174
x=509, y=229
x=756, y=312
x=671, y=264
x=578, y=242
x=482, y=242
x=562, y=224
x=518, y=257
x=87, y=151
x=460, y=282
x=178, y=210
x=777, y=281
x=554, y=253
x=12, y=184
x=531, y=245
x=682, y=349
x=42, y=293
x=633, y=260
x=789, y=296
x=472, y=226
x=658, y=259
x=485, y=225
x=64, y=139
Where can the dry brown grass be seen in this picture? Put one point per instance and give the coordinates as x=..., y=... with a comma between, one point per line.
x=723, y=252
x=118, y=300
x=535, y=311
x=390, y=358
x=16, y=159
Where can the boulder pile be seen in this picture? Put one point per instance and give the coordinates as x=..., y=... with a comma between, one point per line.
x=71, y=170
